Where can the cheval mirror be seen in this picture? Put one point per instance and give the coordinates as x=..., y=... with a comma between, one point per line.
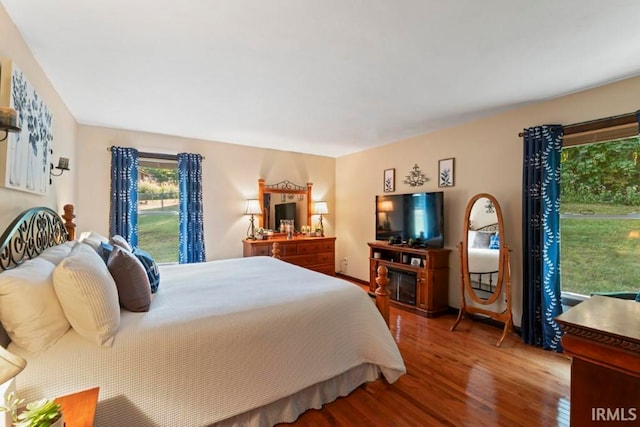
x=284, y=193
x=485, y=274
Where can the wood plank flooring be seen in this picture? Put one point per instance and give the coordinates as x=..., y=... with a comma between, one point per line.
x=457, y=379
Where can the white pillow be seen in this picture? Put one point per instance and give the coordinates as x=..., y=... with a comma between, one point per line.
x=57, y=253
x=118, y=240
x=88, y=295
x=29, y=309
x=93, y=239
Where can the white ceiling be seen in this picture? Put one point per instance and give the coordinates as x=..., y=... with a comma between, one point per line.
x=327, y=77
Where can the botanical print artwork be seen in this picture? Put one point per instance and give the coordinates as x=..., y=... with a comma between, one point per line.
x=389, y=180
x=28, y=151
x=445, y=173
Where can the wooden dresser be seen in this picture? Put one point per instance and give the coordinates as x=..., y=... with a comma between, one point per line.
x=314, y=253
x=602, y=335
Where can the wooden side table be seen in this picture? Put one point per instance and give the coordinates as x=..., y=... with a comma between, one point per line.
x=602, y=335
x=79, y=408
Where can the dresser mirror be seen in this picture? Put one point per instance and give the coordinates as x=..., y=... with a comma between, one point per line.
x=484, y=264
x=284, y=200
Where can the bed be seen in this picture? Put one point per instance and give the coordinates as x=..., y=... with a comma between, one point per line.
x=484, y=259
x=247, y=341
x=483, y=268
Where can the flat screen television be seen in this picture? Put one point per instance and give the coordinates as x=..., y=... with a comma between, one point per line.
x=417, y=216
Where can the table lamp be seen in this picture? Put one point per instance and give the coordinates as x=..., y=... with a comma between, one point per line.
x=253, y=208
x=320, y=208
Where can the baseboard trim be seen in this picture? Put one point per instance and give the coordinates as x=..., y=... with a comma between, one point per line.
x=352, y=279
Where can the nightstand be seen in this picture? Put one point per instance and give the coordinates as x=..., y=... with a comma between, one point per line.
x=79, y=408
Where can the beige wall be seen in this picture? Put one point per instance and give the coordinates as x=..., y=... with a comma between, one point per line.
x=13, y=47
x=230, y=176
x=488, y=158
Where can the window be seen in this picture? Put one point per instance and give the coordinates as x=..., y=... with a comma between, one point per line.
x=158, y=208
x=420, y=200
x=600, y=214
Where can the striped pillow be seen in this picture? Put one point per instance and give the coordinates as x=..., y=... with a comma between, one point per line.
x=88, y=295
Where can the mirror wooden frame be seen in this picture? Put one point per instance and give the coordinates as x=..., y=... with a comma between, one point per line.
x=503, y=286
x=284, y=187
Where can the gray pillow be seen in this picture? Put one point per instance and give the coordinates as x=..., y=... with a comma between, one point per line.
x=482, y=240
x=134, y=290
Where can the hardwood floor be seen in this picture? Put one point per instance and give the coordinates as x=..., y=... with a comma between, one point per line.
x=455, y=379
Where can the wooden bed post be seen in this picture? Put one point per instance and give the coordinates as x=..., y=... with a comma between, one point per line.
x=275, y=250
x=68, y=221
x=382, y=293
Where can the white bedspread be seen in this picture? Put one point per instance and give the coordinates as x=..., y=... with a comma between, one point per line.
x=483, y=260
x=486, y=262
x=221, y=338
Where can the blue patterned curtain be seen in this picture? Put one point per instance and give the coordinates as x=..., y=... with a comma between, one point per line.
x=123, y=214
x=541, y=237
x=191, y=219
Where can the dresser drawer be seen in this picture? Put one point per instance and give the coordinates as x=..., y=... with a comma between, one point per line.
x=327, y=258
x=309, y=248
x=327, y=246
x=262, y=250
x=303, y=260
x=288, y=249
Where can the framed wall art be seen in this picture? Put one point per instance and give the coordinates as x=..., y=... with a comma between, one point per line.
x=389, y=181
x=25, y=155
x=446, y=173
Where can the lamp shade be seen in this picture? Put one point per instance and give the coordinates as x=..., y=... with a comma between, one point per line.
x=320, y=208
x=253, y=207
x=63, y=164
x=385, y=206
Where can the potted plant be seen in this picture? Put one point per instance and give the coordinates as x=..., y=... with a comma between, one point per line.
x=41, y=413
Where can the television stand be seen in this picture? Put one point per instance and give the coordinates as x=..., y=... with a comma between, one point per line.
x=419, y=277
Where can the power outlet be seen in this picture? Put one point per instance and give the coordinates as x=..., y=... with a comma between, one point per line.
x=343, y=265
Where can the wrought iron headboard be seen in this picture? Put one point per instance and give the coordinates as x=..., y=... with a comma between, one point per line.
x=33, y=231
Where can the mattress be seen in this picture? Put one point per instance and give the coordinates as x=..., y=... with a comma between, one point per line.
x=222, y=338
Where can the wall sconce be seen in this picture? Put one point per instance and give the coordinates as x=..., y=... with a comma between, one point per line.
x=63, y=165
x=253, y=208
x=8, y=121
x=320, y=208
